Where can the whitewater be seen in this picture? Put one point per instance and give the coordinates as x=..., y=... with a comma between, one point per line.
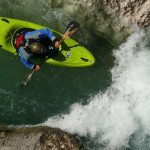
x=123, y=109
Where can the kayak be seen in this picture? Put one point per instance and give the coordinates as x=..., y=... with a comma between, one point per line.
x=71, y=53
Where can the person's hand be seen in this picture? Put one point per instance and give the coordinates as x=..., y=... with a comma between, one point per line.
x=37, y=67
x=57, y=44
x=66, y=35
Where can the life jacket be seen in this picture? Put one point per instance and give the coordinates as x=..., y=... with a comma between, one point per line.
x=50, y=50
x=19, y=39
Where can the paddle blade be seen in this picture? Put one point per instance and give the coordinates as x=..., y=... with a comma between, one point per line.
x=72, y=27
x=27, y=80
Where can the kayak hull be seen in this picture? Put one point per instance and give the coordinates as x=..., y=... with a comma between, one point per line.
x=71, y=54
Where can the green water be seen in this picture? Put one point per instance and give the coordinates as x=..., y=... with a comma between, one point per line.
x=119, y=113
x=53, y=89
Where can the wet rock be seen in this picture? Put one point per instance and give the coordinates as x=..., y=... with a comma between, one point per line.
x=111, y=19
x=37, y=138
x=130, y=11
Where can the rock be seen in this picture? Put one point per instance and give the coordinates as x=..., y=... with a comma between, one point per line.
x=111, y=19
x=37, y=138
x=130, y=11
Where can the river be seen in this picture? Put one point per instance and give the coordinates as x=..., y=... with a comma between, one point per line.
x=106, y=104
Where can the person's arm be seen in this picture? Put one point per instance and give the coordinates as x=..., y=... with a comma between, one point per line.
x=40, y=32
x=49, y=34
x=26, y=60
x=43, y=32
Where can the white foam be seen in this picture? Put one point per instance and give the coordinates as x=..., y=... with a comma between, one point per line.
x=113, y=115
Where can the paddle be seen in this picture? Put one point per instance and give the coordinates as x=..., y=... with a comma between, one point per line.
x=71, y=29
x=27, y=79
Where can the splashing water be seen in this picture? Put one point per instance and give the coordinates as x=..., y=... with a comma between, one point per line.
x=124, y=108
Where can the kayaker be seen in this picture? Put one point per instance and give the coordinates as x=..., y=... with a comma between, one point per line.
x=39, y=43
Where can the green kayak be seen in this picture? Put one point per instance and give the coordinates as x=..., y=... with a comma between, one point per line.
x=71, y=54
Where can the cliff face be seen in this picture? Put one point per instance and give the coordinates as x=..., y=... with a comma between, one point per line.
x=37, y=138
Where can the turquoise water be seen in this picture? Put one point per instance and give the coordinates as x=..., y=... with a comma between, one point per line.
x=106, y=104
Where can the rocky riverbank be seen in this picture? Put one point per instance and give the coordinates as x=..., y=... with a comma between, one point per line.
x=37, y=138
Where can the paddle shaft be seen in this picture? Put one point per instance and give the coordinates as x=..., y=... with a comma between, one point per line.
x=67, y=35
x=28, y=78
